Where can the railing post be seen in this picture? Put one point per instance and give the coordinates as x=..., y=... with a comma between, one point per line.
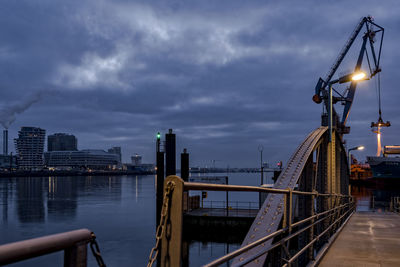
x=311, y=236
x=391, y=204
x=171, y=245
x=290, y=209
x=76, y=256
x=285, y=211
x=373, y=202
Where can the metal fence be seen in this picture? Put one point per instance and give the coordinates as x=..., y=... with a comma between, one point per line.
x=395, y=204
x=321, y=225
x=220, y=204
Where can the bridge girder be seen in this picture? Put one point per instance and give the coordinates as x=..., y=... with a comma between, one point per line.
x=316, y=165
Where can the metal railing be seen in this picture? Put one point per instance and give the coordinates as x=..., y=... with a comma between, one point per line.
x=283, y=241
x=234, y=208
x=331, y=219
x=74, y=244
x=395, y=204
x=220, y=204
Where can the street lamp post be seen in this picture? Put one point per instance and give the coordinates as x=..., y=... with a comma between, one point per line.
x=352, y=77
x=348, y=154
x=261, y=148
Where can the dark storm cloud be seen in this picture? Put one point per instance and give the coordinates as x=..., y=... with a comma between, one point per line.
x=226, y=75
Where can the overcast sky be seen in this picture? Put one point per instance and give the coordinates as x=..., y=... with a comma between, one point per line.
x=227, y=76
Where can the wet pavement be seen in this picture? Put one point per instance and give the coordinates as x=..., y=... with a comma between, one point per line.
x=368, y=239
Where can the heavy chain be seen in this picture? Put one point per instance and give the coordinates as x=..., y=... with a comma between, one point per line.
x=163, y=222
x=96, y=251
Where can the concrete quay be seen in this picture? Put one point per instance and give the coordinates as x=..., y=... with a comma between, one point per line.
x=369, y=239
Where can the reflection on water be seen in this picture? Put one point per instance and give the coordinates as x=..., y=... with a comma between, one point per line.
x=375, y=197
x=120, y=210
x=30, y=204
x=62, y=198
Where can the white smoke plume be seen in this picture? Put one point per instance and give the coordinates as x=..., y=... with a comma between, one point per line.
x=8, y=112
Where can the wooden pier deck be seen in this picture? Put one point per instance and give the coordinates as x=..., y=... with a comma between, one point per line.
x=368, y=239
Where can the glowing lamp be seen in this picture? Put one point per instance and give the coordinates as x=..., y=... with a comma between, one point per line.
x=359, y=76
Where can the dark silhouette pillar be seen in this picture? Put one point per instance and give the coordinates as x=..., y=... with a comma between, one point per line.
x=185, y=165
x=170, y=153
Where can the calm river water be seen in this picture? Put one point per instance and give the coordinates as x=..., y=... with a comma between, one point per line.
x=119, y=210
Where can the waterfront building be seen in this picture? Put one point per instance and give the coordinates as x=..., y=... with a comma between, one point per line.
x=137, y=165
x=29, y=146
x=116, y=150
x=83, y=159
x=8, y=162
x=136, y=160
x=62, y=142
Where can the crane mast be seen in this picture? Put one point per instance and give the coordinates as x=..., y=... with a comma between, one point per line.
x=321, y=93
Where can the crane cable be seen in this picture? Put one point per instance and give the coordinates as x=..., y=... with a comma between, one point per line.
x=379, y=95
x=377, y=85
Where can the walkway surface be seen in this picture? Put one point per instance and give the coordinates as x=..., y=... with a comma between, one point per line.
x=368, y=239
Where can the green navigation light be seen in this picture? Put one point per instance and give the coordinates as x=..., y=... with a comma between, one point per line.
x=158, y=135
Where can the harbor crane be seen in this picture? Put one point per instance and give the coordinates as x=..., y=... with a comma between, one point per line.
x=346, y=98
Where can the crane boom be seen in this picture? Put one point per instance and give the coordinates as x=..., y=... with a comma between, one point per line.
x=345, y=49
x=347, y=100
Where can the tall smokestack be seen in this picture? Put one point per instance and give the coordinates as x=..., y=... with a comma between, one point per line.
x=5, y=142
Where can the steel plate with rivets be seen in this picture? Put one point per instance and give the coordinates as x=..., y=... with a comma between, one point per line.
x=269, y=216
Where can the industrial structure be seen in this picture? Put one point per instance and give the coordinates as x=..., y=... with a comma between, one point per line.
x=309, y=203
x=29, y=146
x=7, y=162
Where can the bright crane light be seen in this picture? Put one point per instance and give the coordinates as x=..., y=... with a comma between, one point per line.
x=359, y=76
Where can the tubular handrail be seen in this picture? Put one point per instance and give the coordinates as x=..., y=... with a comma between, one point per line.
x=22, y=250
x=316, y=216
x=317, y=237
x=187, y=186
x=239, y=204
x=241, y=250
x=281, y=242
x=328, y=221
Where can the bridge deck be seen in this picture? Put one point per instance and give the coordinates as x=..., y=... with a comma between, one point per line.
x=368, y=239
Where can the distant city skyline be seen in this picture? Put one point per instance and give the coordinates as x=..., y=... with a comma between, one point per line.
x=227, y=76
